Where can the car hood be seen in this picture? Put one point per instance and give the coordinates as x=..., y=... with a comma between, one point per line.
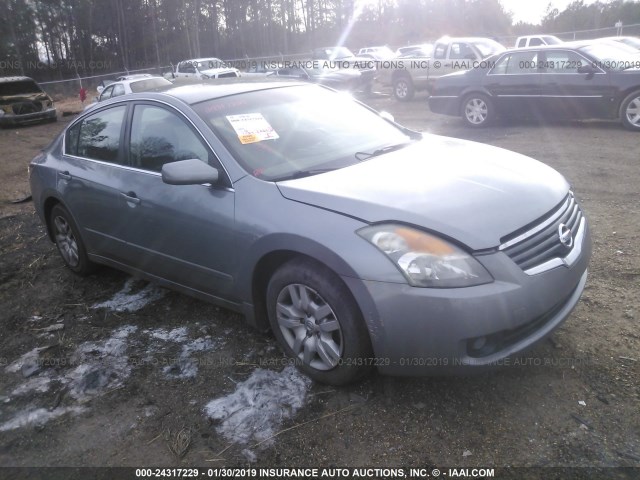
x=474, y=193
x=23, y=97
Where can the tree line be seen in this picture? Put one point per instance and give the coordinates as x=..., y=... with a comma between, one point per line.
x=55, y=39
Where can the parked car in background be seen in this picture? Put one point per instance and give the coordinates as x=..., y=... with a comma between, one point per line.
x=537, y=40
x=633, y=42
x=422, y=50
x=104, y=84
x=203, y=68
x=449, y=54
x=359, y=242
x=22, y=101
x=377, y=53
x=581, y=80
x=134, y=85
x=343, y=57
x=338, y=78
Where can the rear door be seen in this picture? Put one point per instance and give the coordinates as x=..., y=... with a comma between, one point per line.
x=93, y=177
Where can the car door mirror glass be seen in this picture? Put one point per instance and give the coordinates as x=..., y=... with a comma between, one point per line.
x=188, y=172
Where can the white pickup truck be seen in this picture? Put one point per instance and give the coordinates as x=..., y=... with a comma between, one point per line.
x=409, y=73
x=202, y=68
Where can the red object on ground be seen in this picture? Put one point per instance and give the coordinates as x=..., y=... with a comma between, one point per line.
x=83, y=94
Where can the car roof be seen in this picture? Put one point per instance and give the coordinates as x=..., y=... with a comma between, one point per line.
x=199, y=92
x=15, y=79
x=463, y=39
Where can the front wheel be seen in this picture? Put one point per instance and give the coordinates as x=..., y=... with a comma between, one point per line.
x=477, y=110
x=630, y=112
x=317, y=322
x=403, y=88
x=68, y=241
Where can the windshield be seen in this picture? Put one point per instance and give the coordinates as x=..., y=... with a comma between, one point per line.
x=19, y=88
x=148, y=84
x=488, y=47
x=610, y=56
x=283, y=132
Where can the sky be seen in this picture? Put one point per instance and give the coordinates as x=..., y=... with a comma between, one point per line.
x=532, y=11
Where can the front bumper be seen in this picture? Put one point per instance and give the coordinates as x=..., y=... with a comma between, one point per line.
x=11, y=119
x=427, y=331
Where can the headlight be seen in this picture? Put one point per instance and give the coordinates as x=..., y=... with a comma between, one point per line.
x=426, y=260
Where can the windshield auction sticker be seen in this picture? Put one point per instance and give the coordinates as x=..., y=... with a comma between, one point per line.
x=252, y=127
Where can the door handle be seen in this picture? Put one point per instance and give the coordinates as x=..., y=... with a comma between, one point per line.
x=65, y=175
x=131, y=197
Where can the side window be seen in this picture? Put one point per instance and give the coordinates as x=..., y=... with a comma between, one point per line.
x=562, y=61
x=71, y=141
x=535, y=42
x=519, y=63
x=99, y=136
x=159, y=136
x=461, y=51
x=118, y=90
x=440, y=50
x=500, y=68
x=106, y=93
x=186, y=67
x=521, y=43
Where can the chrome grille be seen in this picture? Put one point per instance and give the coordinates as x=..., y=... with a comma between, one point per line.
x=540, y=244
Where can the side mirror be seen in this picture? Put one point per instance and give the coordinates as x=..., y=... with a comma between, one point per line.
x=188, y=172
x=588, y=69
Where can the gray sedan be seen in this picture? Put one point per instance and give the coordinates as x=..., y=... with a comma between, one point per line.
x=358, y=242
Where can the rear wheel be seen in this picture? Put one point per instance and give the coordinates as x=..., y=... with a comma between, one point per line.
x=477, y=110
x=68, y=241
x=403, y=88
x=317, y=322
x=630, y=111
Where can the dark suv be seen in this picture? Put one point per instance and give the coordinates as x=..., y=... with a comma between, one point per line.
x=23, y=101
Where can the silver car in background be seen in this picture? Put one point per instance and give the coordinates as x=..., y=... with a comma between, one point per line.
x=360, y=243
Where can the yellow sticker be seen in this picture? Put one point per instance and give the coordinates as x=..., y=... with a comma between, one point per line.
x=252, y=127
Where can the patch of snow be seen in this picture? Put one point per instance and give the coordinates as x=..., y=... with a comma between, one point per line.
x=38, y=416
x=250, y=455
x=177, y=335
x=258, y=406
x=128, y=300
x=202, y=344
x=101, y=364
x=39, y=384
x=28, y=358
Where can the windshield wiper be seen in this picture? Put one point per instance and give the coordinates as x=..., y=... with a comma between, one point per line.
x=305, y=173
x=380, y=151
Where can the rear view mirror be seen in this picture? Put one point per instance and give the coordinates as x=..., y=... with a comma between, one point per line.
x=188, y=172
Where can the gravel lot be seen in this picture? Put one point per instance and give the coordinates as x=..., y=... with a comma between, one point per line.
x=108, y=371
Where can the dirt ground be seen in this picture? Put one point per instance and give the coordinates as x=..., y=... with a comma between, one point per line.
x=130, y=375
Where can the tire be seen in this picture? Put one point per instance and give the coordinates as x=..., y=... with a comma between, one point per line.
x=67, y=239
x=630, y=112
x=477, y=110
x=403, y=88
x=317, y=322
